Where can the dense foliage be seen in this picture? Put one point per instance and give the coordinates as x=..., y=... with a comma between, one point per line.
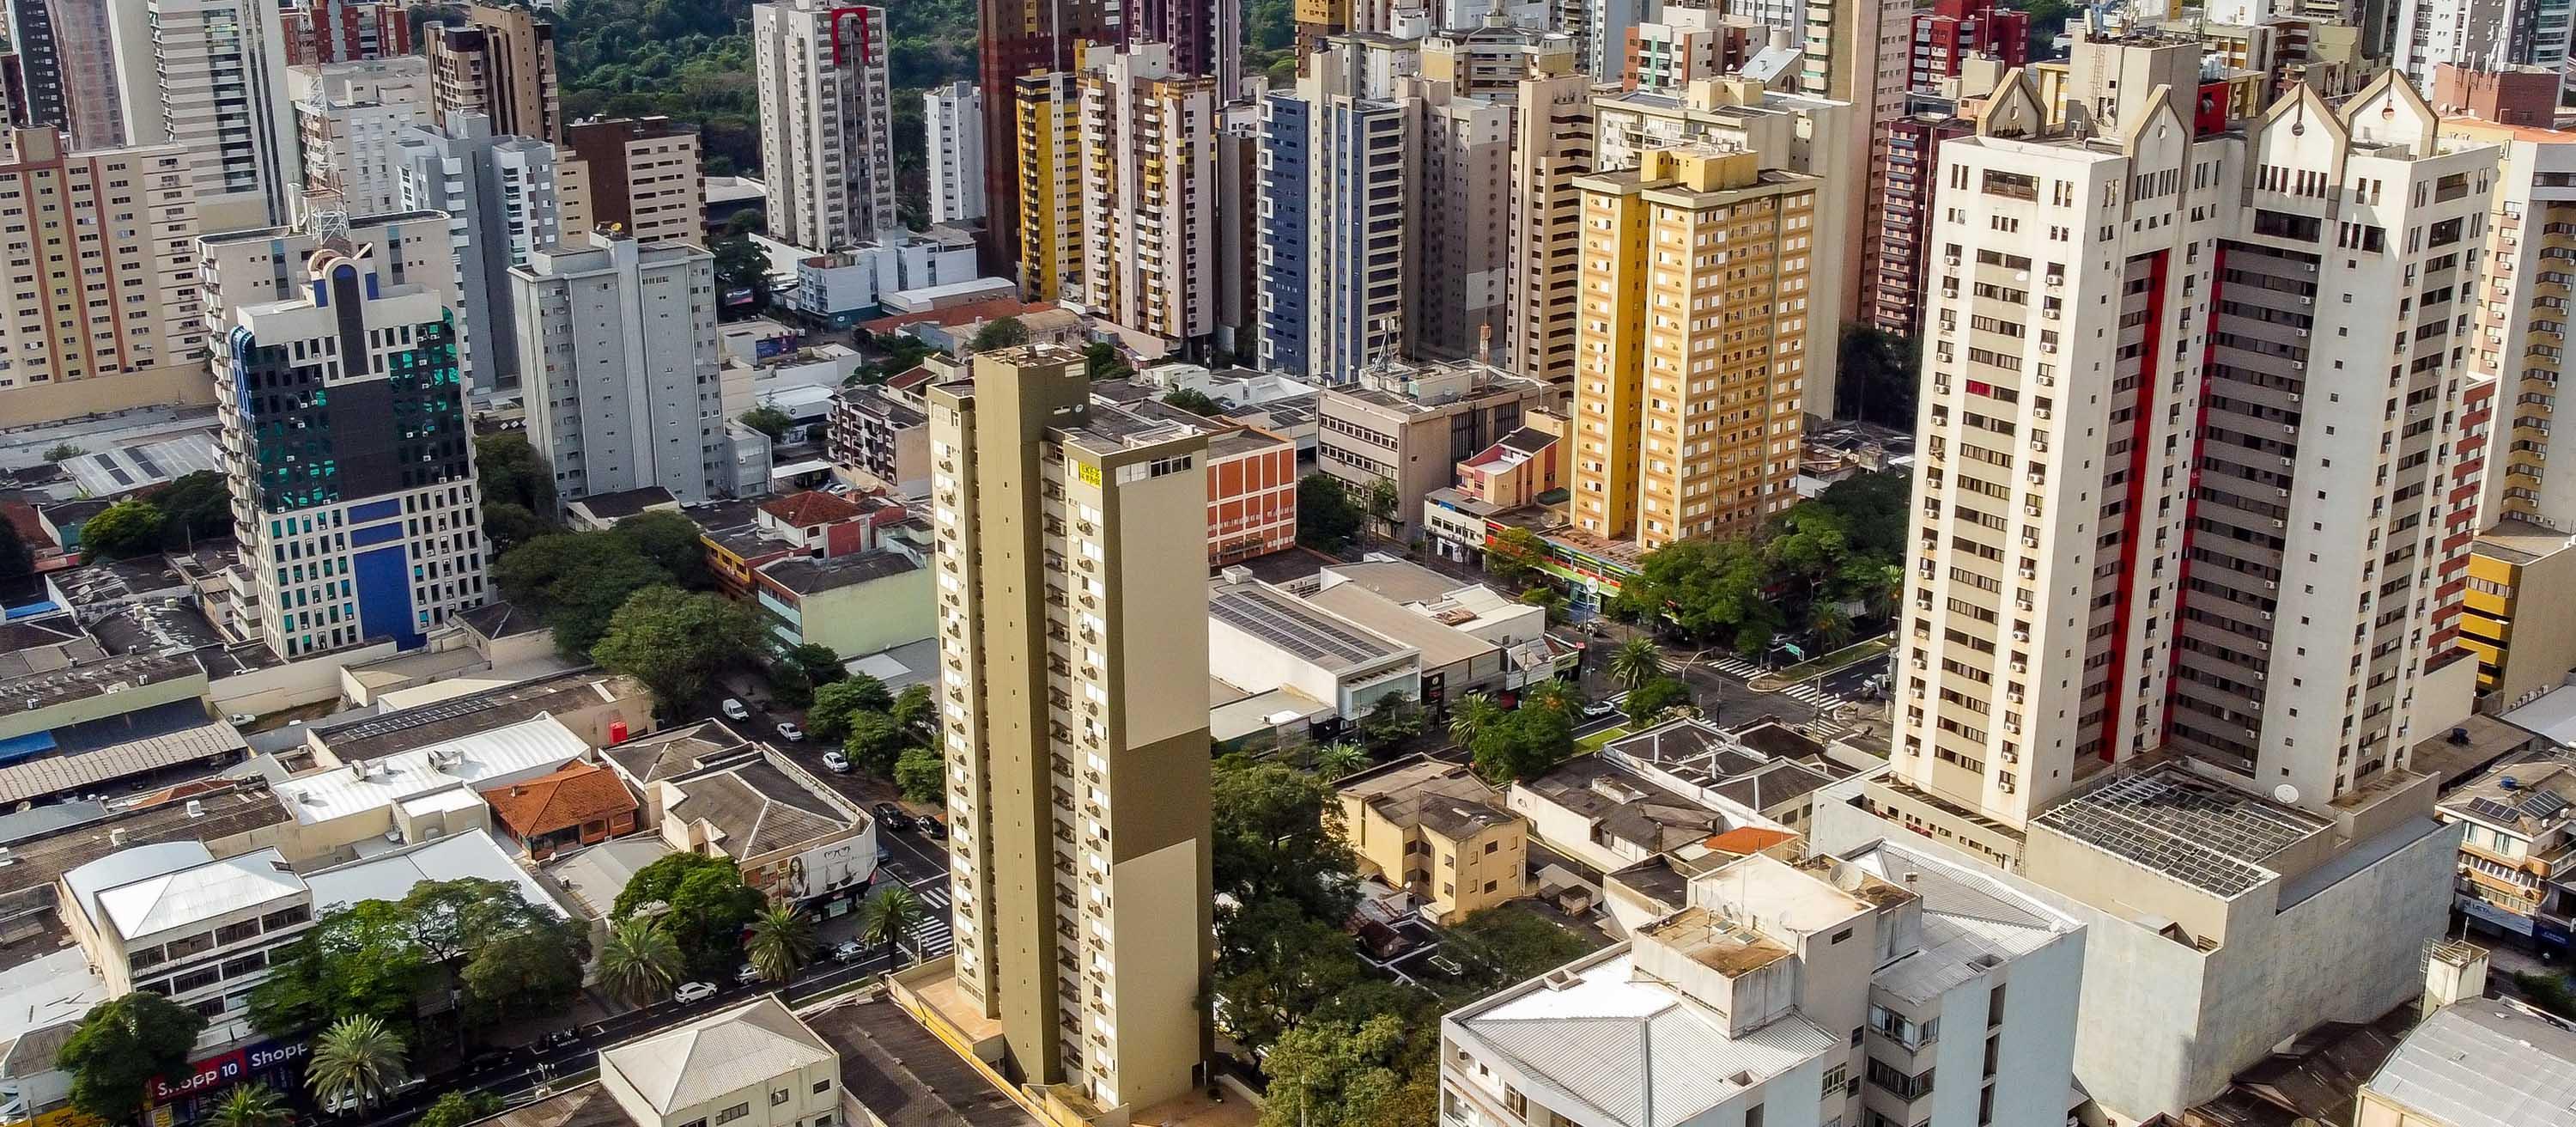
x=701, y=902
x=121, y=1045
x=507, y=958
x=1838, y=550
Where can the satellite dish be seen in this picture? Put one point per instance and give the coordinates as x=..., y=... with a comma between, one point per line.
x=2286, y=794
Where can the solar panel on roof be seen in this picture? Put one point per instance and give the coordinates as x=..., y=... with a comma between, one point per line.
x=2543, y=804
x=2492, y=810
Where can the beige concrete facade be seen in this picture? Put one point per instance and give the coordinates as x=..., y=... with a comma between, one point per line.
x=1688, y=402
x=500, y=63
x=1077, y=781
x=1552, y=144
x=639, y=174
x=1432, y=829
x=101, y=308
x=1148, y=134
x=2519, y=336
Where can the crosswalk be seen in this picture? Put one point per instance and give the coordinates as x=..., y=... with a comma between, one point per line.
x=1808, y=693
x=1735, y=667
x=931, y=937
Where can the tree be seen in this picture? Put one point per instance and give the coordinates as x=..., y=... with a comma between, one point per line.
x=999, y=333
x=1474, y=713
x=64, y=452
x=15, y=559
x=1877, y=373
x=820, y=663
x=741, y=267
x=1335, y=1073
x=1635, y=662
x=511, y=472
x=524, y=972
x=1523, y=743
x=1276, y=965
x=577, y=581
x=834, y=704
x=1193, y=401
x=1549, y=600
x=672, y=541
x=704, y=904
x=1649, y=699
x=196, y=506
x=1274, y=834
x=921, y=774
x=364, y=958
x=1554, y=695
x=1335, y=760
x=640, y=962
x=251, y=1105
x=1514, y=555
x=1382, y=498
x=507, y=526
x=875, y=742
x=358, y=1060
x=129, y=527
x=1391, y=721
x=675, y=641
x=1515, y=943
x=782, y=942
x=769, y=419
x=121, y=1045
x=1327, y=518
x=916, y=709
x=1705, y=589
x=1101, y=360
x=1830, y=624
x=890, y=917
x=456, y=1109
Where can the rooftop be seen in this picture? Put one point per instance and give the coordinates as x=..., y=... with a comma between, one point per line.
x=716, y=1055
x=810, y=508
x=1440, y=644
x=2485, y=1063
x=2165, y=819
x=674, y=751
x=1971, y=918
x=756, y=807
x=77, y=757
x=37, y=862
x=47, y=688
x=1600, y=1035
x=1445, y=798
x=806, y=575
x=484, y=759
x=566, y=798
x=2518, y=541
x=626, y=502
x=392, y=875
x=385, y=734
x=189, y=896
x=502, y=619
x=1298, y=627
x=1625, y=806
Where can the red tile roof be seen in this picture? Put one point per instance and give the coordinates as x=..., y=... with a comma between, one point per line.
x=1748, y=840
x=810, y=508
x=989, y=309
x=578, y=794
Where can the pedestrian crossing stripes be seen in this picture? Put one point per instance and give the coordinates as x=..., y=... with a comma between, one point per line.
x=1735, y=667
x=1807, y=692
x=932, y=937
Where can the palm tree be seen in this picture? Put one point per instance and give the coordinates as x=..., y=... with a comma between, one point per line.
x=782, y=939
x=640, y=961
x=1475, y=713
x=357, y=1059
x=1549, y=694
x=1334, y=760
x=1636, y=662
x=1831, y=625
x=251, y=1105
x=889, y=917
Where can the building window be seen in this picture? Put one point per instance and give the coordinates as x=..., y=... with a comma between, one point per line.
x=735, y=1112
x=822, y=1085
x=780, y=1096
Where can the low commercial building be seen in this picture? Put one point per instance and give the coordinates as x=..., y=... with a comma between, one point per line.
x=2524, y=646
x=1434, y=830
x=1262, y=638
x=576, y=805
x=854, y=604
x=881, y=439
x=756, y=1065
x=2517, y=837
x=1408, y=427
x=795, y=839
x=345, y=811
x=2479, y=1062
x=1887, y=987
x=1599, y=815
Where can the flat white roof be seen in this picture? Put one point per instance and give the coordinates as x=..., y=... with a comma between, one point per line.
x=200, y=893
x=56, y=988
x=392, y=875
x=2553, y=716
x=480, y=761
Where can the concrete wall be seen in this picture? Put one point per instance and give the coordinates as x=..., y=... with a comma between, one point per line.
x=865, y=618
x=183, y=383
x=1570, y=833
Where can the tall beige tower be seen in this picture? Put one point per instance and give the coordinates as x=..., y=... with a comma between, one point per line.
x=1077, y=773
x=103, y=310
x=1148, y=134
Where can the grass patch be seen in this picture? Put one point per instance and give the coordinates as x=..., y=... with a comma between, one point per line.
x=1842, y=658
x=1595, y=741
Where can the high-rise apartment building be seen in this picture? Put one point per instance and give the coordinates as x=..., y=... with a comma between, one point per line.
x=952, y=119
x=621, y=387
x=351, y=117
x=1206, y=37
x=499, y=196
x=1148, y=171
x=1954, y=31
x=66, y=70
x=2489, y=33
x=1460, y=146
x=2518, y=317
x=1021, y=38
x=350, y=459
x=639, y=175
x=826, y=142
x=1284, y=224
x=1077, y=783
x=1691, y=344
x=2191, y=402
x=1050, y=191
x=1552, y=144
x=1665, y=55
x=102, y=312
x=500, y=64
x=1334, y=289
x=1892, y=291
x=210, y=75
x=322, y=32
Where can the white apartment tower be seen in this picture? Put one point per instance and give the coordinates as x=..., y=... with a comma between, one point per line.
x=2190, y=408
x=953, y=127
x=2482, y=34
x=620, y=342
x=826, y=141
x=1077, y=783
x=211, y=75
x=1148, y=165
x=351, y=117
x=498, y=193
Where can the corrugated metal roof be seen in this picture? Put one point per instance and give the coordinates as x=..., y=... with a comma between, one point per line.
x=2485, y=1063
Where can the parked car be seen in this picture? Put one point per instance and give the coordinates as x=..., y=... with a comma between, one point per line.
x=693, y=992
x=790, y=732
x=839, y=763
x=1600, y=708
x=734, y=710
x=747, y=974
x=849, y=952
x=891, y=816
x=932, y=828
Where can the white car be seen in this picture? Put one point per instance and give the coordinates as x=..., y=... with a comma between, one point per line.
x=693, y=992
x=837, y=762
x=734, y=710
x=790, y=732
x=748, y=973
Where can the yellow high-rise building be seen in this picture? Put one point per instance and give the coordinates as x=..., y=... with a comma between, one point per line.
x=1050, y=139
x=1690, y=345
